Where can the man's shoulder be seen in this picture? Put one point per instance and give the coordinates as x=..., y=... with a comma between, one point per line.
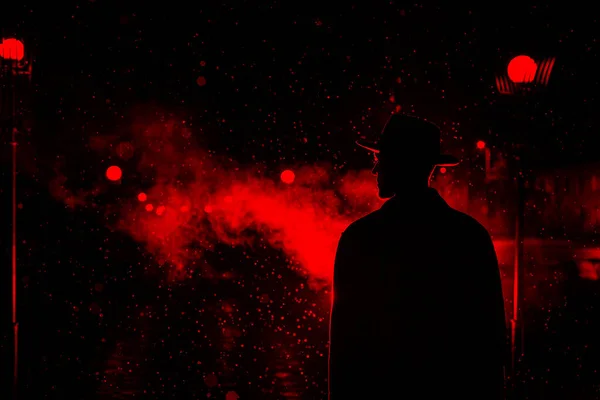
x=362, y=225
x=454, y=219
x=467, y=224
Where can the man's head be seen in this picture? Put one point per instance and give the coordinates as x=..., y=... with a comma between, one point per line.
x=396, y=175
x=406, y=153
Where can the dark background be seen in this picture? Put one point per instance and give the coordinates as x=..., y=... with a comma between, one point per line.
x=327, y=71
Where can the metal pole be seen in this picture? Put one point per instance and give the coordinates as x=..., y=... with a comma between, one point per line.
x=517, y=330
x=14, y=264
x=12, y=97
x=9, y=72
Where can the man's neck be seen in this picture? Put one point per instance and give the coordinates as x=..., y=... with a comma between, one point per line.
x=415, y=192
x=412, y=195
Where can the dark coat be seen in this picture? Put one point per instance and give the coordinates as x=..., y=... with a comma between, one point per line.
x=418, y=311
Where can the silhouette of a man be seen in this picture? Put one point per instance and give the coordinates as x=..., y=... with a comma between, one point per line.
x=418, y=311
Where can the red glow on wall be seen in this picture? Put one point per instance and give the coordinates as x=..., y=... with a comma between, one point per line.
x=12, y=49
x=521, y=69
x=114, y=173
x=288, y=176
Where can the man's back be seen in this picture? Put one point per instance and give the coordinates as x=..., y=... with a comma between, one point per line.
x=418, y=305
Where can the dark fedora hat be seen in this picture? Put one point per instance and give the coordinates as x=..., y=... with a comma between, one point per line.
x=405, y=135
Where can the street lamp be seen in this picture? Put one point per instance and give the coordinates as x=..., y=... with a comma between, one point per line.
x=521, y=69
x=523, y=76
x=523, y=73
x=13, y=64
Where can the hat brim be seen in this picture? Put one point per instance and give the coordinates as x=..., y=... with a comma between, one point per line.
x=442, y=160
x=371, y=146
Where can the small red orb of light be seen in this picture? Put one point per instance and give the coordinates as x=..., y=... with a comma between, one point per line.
x=481, y=145
x=114, y=173
x=142, y=197
x=522, y=69
x=288, y=176
x=12, y=49
x=443, y=170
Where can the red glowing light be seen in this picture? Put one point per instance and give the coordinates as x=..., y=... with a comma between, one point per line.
x=443, y=170
x=114, y=173
x=522, y=69
x=160, y=210
x=481, y=145
x=149, y=207
x=288, y=176
x=201, y=81
x=142, y=197
x=12, y=49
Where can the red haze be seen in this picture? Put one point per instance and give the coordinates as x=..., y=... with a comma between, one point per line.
x=197, y=200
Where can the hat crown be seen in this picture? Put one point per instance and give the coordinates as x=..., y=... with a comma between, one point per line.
x=411, y=138
x=410, y=135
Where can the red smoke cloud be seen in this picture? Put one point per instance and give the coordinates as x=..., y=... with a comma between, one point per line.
x=197, y=199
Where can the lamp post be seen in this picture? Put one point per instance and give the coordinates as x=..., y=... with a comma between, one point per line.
x=523, y=76
x=13, y=64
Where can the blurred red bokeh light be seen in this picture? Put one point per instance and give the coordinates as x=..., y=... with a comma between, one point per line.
x=288, y=176
x=114, y=173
